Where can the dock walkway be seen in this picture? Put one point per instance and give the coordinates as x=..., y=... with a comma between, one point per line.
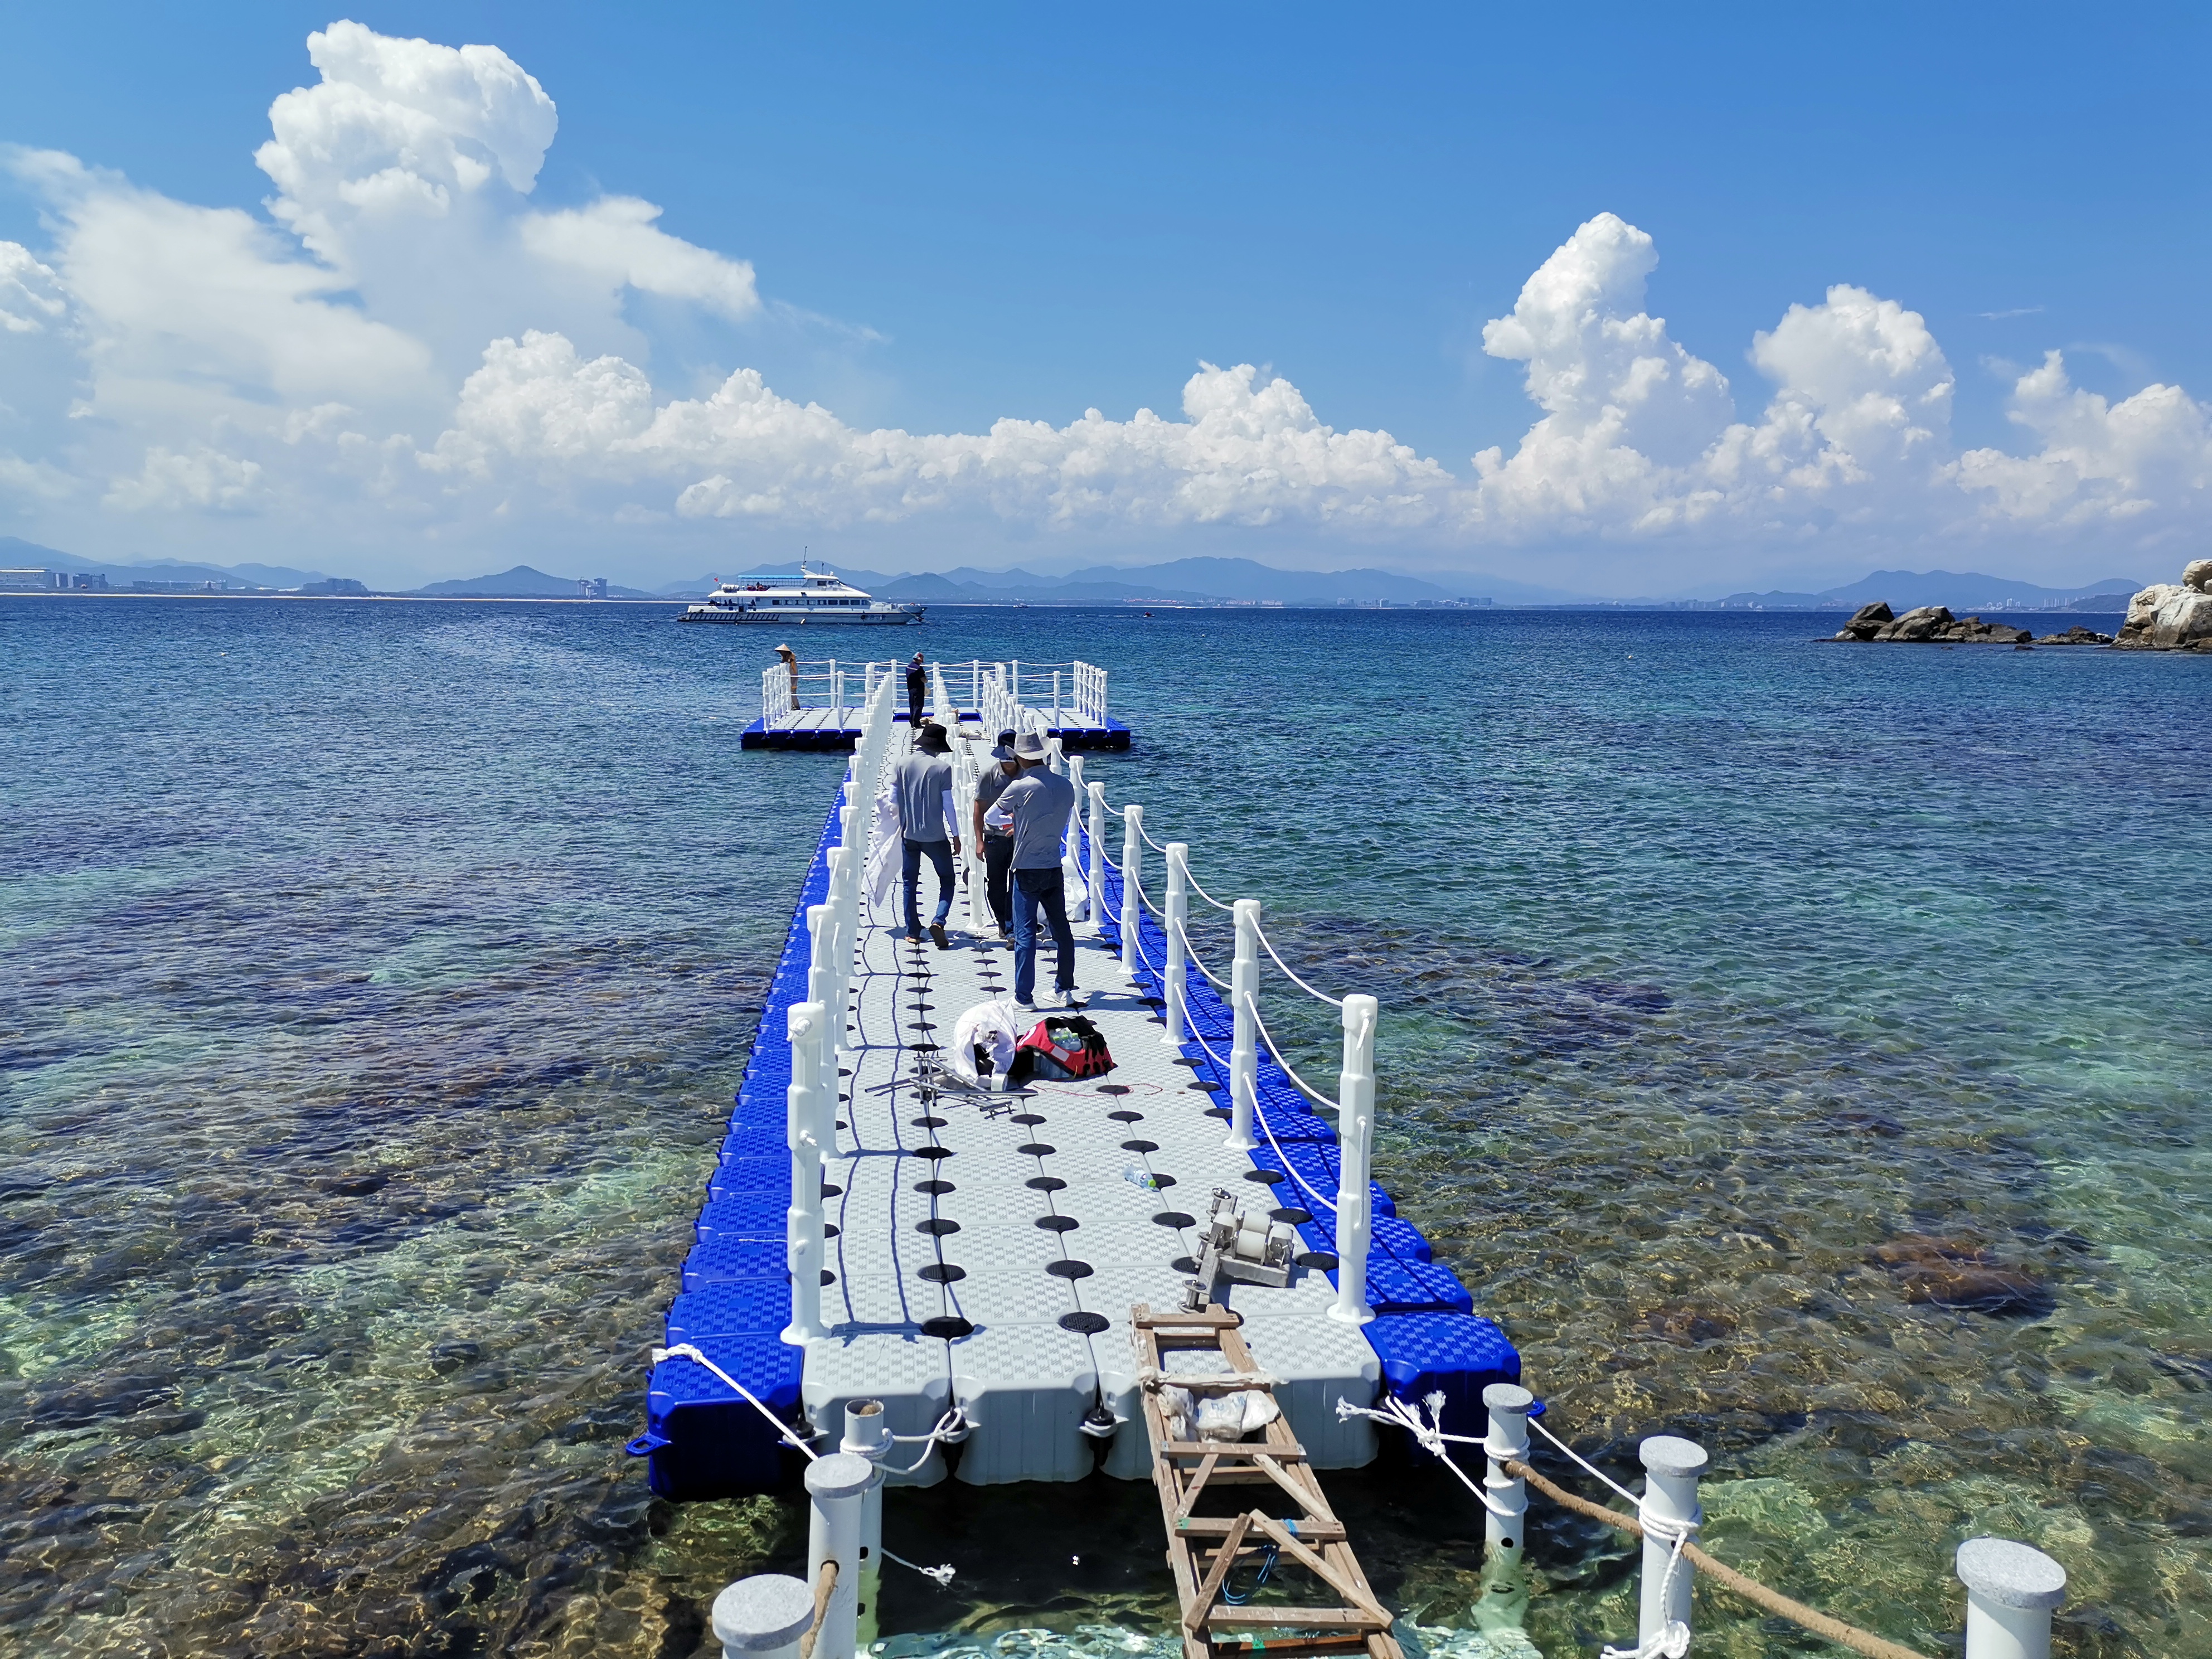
x=985, y=1252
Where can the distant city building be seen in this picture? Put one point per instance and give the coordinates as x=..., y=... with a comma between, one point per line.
x=181, y=587
x=592, y=587
x=334, y=587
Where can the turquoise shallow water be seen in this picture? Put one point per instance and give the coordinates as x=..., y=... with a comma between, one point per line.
x=374, y=978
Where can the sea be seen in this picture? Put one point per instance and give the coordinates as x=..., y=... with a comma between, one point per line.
x=1801, y=1047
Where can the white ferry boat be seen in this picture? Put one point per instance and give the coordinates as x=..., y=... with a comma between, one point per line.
x=811, y=596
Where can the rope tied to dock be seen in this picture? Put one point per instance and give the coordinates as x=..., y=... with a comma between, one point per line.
x=685, y=1351
x=1678, y=1535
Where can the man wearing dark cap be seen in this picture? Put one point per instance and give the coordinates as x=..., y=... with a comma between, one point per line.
x=928, y=826
x=998, y=845
x=917, y=686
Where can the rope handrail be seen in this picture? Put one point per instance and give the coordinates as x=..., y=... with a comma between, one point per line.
x=1334, y=1002
x=1260, y=1118
x=1750, y=1589
x=1158, y=912
x=1203, y=894
x=1150, y=842
x=1190, y=955
x=1296, y=1082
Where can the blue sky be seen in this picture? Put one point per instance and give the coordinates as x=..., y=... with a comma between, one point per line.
x=960, y=215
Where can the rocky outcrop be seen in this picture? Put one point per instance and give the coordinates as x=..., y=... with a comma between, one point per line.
x=1931, y=624
x=2077, y=635
x=2172, y=616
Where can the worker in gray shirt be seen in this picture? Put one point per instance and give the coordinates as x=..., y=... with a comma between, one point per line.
x=998, y=845
x=1034, y=807
x=928, y=826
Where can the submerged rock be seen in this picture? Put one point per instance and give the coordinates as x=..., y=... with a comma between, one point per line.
x=1949, y=1273
x=2172, y=616
x=2077, y=635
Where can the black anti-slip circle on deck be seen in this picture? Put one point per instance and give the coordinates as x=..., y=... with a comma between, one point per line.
x=1126, y=1117
x=1140, y=1145
x=1112, y=1088
x=932, y=1153
x=1044, y=1183
x=1057, y=1223
x=1296, y=1218
x=930, y=1122
x=1036, y=1149
x=947, y=1328
x=941, y=1273
x=936, y=1226
x=1183, y=1264
x=1175, y=1218
x=1319, y=1260
x=1084, y=1324
x=1071, y=1269
x=1271, y=1177
x=1027, y=1120
x=935, y=1188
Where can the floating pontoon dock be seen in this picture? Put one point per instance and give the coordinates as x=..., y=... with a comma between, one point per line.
x=823, y=703
x=972, y=1259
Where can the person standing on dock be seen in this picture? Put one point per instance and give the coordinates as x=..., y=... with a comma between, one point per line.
x=998, y=845
x=928, y=826
x=1034, y=808
x=789, y=658
x=917, y=687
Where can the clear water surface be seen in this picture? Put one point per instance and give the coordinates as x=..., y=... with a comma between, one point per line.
x=374, y=978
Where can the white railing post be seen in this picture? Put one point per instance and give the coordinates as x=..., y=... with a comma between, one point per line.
x=868, y=1434
x=1133, y=878
x=1355, y=1136
x=2012, y=1591
x=1014, y=686
x=763, y=1617
x=1671, y=1466
x=1094, y=877
x=803, y=1221
x=1244, y=1038
x=1072, y=862
x=1177, y=907
x=836, y=1485
x=1059, y=715
x=1505, y=1530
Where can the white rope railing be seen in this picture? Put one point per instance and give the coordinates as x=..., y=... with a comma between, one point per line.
x=1296, y=1082
x=1269, y=945
x=685, y=1351
x=1190, y=955
x=1203, y=894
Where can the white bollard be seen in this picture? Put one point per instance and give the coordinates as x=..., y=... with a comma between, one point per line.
x=2012, y=1591
x=1132, y=876
x=803, y=1219
x=1244, y=1034
x=1177, y=908
x=1504, y=1535
x=835, y=1485
x=763, y=1617
x=1671, y=1466
x=1355, y=1138
x=868, y=1434
x=1094, y=876
x=1058, y=719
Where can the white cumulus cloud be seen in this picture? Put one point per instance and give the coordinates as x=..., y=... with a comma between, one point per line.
x=409, y=343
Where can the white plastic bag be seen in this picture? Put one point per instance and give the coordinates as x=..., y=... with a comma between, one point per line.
x=992, y=1025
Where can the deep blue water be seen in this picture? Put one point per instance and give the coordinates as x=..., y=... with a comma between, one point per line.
x=375, y=976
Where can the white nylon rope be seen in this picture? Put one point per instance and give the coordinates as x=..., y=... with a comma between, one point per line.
x=1264, y=1129
x=685, y=1351
x=1299, y=1083
x=1334, y=1002
x=1190, y=955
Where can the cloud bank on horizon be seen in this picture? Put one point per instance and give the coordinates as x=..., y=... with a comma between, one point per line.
x=408, y=344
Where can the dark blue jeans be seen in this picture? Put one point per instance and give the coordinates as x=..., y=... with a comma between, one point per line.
x=1033, y=889
x=939, y=853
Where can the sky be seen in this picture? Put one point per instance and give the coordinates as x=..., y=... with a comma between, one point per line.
x=1595, y=298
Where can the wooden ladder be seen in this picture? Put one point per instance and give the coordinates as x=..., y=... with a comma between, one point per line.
x=1203, y=1549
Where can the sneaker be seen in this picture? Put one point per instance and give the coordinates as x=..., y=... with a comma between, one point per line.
x=1072, y=998
x=1025, y=1005
x=936, y=936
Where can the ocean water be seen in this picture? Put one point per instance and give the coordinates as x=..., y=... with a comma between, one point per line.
x=374, y=978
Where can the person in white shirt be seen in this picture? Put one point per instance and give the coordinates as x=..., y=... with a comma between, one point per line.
x=928, y=828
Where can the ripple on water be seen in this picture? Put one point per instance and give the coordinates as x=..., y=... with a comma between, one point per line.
x=373, y=993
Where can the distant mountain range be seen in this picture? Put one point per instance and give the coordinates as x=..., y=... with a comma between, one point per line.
x=1196, y=581
x=520, y=583
x=1905, y=590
